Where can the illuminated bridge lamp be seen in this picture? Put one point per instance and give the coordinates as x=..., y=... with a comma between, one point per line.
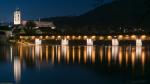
x=89, y=42
x=64, y=42
x=138, y=42
x=115, y=42
x=38, y=41
x=143, y=37
x=85, y=37
x=59, y=37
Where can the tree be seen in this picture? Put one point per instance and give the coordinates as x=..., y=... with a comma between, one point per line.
x=30, y=25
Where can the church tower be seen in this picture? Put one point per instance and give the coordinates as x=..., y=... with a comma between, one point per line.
x=17, y=17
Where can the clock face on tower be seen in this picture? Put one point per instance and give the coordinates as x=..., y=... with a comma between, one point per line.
x=17, y=17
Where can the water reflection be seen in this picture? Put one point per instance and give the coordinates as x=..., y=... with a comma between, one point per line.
x=42, y=55
x=133, y=56
x=115, y=50
x=59, y=57
x=138, y=51
x=17, y=69
x=109, y=55
x=89, y=51
x=11, y=55
x=37, y=50
x=84, y=54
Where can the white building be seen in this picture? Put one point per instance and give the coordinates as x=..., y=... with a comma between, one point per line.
x=17, y=17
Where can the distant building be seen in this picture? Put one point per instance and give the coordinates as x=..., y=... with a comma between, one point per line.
x=41, y=24
x=44, y=24
x=17, y=17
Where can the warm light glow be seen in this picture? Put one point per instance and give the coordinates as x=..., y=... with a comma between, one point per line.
x=115, y=42
x=58, y=37
x=120, y=56
x=143, y=59
x=85, y=54
x=59, y=54
x=64, y=51
x=68, y=55
x=53, y=53
x=79, y=54
x=41, y=54
x=138, y=51
x=38, y=41
x=109, y=37
x=53, y=37
x=64, y=42
x=84, y=37
x=79, y=37
x=109, y=55
x=138, y=42
x=33, y=37
x=68, y=37
x=37, y=50
x=127, y=37
x=41, y=37
x=20, y=51
x=47, y=37
x=17, y=69
x=101, y=38
x=73, y=37
x=133, y=57
x=143, y=37
x=101, y=54
x=115, y=50
x=89, y=51
x=93, y=55
x=93, y=37
x=120, y=37
x=89, y=42
x=133, y=37
x=21, y=37
x=46, y=54
x=73, y=54
x=33, y=53
x=105, y=55
x=127, y=57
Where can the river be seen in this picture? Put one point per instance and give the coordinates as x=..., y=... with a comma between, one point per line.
x=56, y=64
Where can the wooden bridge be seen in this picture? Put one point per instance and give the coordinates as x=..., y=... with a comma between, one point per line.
x=115, y=39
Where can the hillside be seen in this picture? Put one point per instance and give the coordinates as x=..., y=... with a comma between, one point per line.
x=125, y=13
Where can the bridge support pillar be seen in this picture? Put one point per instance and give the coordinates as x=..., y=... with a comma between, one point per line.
x=89, y=42
x=138, y=42
x=64, y=42
x=38, y=41
x=115, y=42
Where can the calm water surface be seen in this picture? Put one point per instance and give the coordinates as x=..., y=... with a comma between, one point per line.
x=55, y=64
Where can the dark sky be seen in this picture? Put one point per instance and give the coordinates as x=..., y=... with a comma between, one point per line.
x=33, y=9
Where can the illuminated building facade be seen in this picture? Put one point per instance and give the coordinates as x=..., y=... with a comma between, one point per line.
x=17, y=17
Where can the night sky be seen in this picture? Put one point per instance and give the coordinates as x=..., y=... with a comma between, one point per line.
x=33, y=9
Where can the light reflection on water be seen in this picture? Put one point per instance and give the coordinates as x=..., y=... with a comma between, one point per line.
x=110, y=56
x=17, y=69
